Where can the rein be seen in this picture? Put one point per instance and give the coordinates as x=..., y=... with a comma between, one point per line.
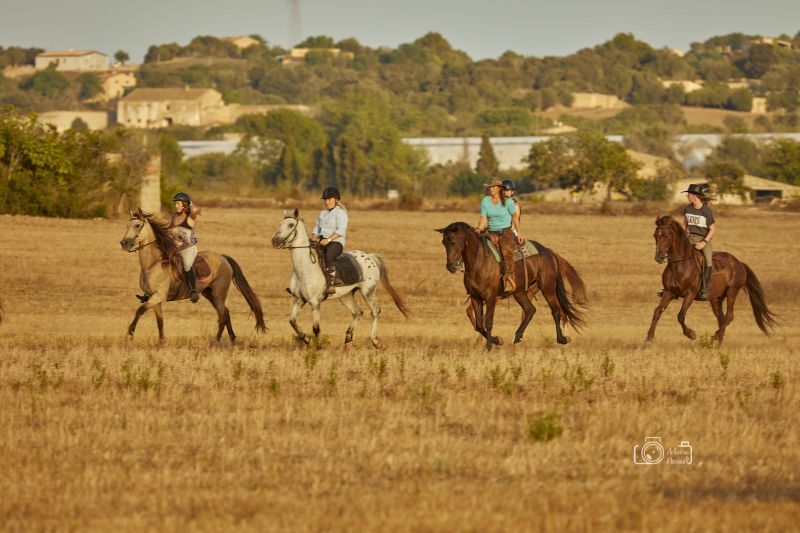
x=290, y=239
x=140, y=247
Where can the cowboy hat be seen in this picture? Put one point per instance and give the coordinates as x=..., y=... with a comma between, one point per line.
x=494, y=182
x=699, y=189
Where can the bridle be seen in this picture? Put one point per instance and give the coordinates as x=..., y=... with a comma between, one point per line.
x=670, y=260
x=143, y=245
x=284, y=245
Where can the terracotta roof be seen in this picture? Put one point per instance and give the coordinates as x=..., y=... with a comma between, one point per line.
x=170, y=93
x=68, y=53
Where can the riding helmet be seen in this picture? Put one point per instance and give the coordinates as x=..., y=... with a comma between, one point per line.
x=509, y=185
x=182, y=197
x=331, y=192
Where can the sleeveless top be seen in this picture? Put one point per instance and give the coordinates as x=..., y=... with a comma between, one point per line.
x=182, y=234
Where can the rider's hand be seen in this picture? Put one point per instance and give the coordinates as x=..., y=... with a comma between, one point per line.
x=324, y=242
x=520, y=240
x=700, y=245
x=478, y=230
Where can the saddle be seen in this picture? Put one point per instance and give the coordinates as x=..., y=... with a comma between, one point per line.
x=520, y=252
x=202, y=271
x=348, y=270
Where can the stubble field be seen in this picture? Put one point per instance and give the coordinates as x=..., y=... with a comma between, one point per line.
x=431, y=432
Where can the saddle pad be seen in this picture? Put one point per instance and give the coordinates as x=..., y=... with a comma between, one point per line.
x=520, y=252
x=202, y=271
x=348, y=271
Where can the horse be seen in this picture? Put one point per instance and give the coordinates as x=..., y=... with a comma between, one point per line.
x=160, y=263
x=681, y=278
x=307, y=282
x=545, y=272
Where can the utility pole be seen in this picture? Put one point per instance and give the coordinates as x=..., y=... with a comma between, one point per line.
x=295, y=29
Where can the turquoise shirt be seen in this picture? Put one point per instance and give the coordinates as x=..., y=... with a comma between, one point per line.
x=499, y=215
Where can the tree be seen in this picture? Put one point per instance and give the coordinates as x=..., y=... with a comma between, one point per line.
x=781, y=160
x=739, y=150
x=487, y=162
x=121, y=56
x=728, y=178
x=759, y=58
x=79, y=125
x=90, y=85
x=48, y=82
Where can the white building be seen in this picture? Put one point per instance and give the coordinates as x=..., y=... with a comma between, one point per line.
x=74, y=60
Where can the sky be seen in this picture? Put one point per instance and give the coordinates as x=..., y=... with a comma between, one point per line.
x=483, y=29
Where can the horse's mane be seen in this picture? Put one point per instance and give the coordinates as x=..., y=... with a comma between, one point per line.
x=459, y=226
x=164, y=241
x=667, y=220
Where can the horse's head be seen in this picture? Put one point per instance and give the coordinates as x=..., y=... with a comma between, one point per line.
x=667, y=230
x=287, y=231
x=133, y=231
x=454, y=239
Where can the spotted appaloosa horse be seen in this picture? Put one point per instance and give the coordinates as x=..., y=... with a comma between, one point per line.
x=681, y=279
x=545, y=271
x=307, y=282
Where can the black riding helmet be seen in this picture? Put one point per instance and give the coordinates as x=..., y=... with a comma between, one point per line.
x=331, y=192
x=509, y=185
x=182, y=197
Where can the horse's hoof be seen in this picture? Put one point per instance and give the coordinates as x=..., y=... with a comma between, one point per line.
x=497, y=340
x=517, y=340
x=377, y=343
x=691, y=334
x=306, y=339
x=563, y=340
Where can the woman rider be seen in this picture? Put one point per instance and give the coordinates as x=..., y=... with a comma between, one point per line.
x=182, y=232
x=329, y=231
x=499, y=217
x=698, y=221
x=509, y=190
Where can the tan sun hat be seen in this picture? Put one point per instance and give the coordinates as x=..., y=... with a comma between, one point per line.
x=494, y=182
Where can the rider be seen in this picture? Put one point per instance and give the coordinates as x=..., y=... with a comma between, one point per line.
x=699, y=222
x=329, y=231
x=509, y=190
x=499, y=216
x=182, y=227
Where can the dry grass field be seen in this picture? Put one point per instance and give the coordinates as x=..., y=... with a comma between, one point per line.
x=430, y=433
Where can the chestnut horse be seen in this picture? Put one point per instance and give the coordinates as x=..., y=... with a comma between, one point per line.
x=681, y=279
x=482, y=279
x=159, y=260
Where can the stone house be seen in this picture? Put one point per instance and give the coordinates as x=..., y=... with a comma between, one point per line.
x=298, y=55
x=164, y=107
x=72, y=60
x=242, y=41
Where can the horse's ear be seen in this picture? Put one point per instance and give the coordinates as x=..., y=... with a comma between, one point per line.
x=131, y=213
x=440, y=230
x=296, y=213
x=139, y=213
x=658, y=219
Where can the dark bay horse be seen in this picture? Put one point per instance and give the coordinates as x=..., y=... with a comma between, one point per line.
x=681, y=279
x=159, y=260
x=543, y=272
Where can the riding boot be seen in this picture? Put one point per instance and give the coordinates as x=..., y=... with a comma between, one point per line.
x=330, y=280
x=509, y=285
x=705, y=286
x=191, y=280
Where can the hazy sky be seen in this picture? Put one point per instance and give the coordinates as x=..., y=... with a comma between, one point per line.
x=483, y=29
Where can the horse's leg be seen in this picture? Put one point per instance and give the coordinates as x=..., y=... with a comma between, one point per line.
x=549, y=293
x=315, y=321
x=471, y=315
x=477, y=309
x=528, y=310
x=349, y=301
x=370, y=297
x=229, y=325
x=687, y=303
x=716, y=307
x=139, y=312
x=666, y=298
x=297, y=304
x=159, y=321
x=732, y=294
x=491, y=301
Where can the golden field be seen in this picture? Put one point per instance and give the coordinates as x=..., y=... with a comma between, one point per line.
x=430, y=433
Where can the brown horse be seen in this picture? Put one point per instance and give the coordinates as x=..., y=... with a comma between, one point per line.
x=681, y=279
x=482, y=279
x=158, y=279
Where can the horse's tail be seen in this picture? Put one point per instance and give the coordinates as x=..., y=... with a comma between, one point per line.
x=764, y=317
x=398, y=300
x=250, y=297
x=573, y=278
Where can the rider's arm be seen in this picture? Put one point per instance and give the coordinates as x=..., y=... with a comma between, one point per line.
x=482, y=223
x=515, y=223
x=712, y=229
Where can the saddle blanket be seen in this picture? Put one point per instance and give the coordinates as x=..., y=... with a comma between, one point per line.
x=348, y=271
x=520, y=252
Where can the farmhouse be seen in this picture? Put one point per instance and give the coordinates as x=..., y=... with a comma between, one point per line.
x=72, y=60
